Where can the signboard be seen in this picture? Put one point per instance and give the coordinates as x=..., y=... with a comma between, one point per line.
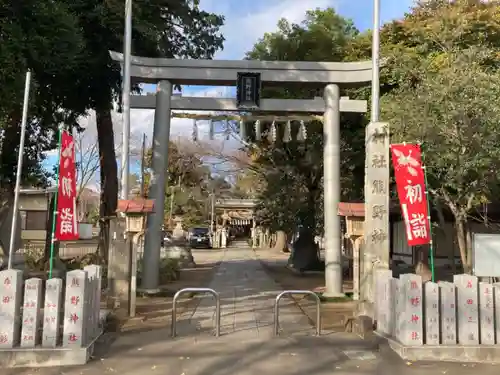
x=410, y=182
x=248, y=88
x=66, y=224
x=486, y=254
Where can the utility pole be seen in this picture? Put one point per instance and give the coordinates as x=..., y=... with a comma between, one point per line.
x=143, y=166
x=375, y=102
x=212, y=211
x=19, y=172
x=127, y=51
x=172, y=197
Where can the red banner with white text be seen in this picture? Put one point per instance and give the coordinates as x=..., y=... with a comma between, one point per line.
x=66, y=219
x=410, y=181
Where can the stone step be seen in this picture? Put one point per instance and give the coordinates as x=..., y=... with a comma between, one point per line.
x=240, y=244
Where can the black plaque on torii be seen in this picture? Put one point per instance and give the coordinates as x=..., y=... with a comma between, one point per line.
x=248, y=88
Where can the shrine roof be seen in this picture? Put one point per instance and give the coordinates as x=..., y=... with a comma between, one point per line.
x=137, y=205
x=235, y=203
x=352, y=209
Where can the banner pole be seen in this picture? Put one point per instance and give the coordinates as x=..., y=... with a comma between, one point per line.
x=54, y=212
x=20, y=156
x=431, y=247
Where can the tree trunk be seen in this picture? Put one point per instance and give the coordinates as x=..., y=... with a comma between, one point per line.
x=109, y=177
x=305, y=253
x=8, y=156
x=468, y=246
x=267, y=239
x=281, y=242
x=442, y=224
x=462, y=244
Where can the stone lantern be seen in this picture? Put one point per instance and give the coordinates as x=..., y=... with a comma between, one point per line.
x=122, y=277
x=178, y=248
x=178, y=233
x=135, y=211
x=225, y=218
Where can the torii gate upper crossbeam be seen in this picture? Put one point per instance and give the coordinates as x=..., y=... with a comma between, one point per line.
x=223, y=72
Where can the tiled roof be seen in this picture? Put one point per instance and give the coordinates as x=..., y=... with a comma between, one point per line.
x=138, y=205
x=352, y=209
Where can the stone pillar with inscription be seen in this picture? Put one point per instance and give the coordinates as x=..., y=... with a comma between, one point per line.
x=383, y=305
x=11, y=284
x=90, y=302
x=486, y=314
x=223, y=238
x=496, y=288
x=431, y=316
x=51, y=316
x=75, y=317
x=376, y=227
x=356, y=266
x=467, y=309
x=447, y=297
x=397, y=303
x=254, y=234
x=94, y=273
x=31, y=312
x=412, y=330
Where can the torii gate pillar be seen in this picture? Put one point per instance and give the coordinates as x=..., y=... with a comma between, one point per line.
x=161, y=138
x=331, y=195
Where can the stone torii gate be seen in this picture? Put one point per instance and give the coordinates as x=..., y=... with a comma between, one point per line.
x=168, y=72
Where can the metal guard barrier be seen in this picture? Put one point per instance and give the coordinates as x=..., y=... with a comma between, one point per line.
x=291, y=292
x=196, y=290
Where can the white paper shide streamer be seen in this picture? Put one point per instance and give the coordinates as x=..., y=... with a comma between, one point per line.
x=228, y=130
x=287, y=136
x=195, y=131
x=243, y=133
x=211, y=130
x=271, y=137
x=258, y=130
x=302, y=133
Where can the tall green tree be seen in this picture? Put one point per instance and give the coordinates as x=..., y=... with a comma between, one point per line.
x=66, y=44
x=444, y=83
x=188, y=186
x=293, y=172
x=43, y=37
x=161, y=28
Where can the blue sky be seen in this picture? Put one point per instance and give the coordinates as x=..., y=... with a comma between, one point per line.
x=246, y=22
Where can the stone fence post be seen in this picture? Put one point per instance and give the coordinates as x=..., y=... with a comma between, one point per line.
x=411, y=328
x=431, y=316
x=11, y=283
x=467, y=309
x=75, y=309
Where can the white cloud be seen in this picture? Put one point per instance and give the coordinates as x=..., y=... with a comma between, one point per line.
x=243, y=30
x=141, y=122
